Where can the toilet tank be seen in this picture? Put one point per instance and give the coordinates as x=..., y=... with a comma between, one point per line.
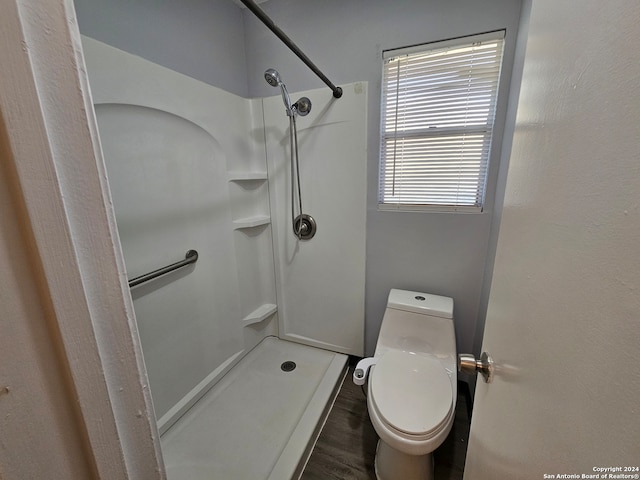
x=418, y=322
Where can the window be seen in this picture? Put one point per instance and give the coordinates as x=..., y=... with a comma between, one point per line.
x=438, y=109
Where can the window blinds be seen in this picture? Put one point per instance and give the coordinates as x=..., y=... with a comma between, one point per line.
x=438, y=109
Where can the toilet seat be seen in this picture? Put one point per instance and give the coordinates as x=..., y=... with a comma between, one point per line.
x=411, y=393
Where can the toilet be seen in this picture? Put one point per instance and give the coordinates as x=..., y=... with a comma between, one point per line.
x=412, y=383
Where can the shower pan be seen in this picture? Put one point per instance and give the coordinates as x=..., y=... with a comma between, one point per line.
x=264, y=416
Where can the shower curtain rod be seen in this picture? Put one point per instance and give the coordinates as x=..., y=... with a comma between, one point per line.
x=264, y=18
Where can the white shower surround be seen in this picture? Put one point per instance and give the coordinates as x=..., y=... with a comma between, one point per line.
x=190, y=328
x=321, y=281
x=187, y=165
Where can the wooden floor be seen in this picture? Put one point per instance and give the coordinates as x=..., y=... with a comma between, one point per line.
x=347, y=445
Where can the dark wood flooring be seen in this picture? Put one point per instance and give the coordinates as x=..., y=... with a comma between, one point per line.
x=347, y=445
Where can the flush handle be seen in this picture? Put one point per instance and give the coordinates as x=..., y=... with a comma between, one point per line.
x=468, y=364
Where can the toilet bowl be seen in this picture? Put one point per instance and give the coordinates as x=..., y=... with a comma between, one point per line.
x=412, y=385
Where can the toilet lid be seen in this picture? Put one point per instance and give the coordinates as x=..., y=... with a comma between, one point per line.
x=412, y=392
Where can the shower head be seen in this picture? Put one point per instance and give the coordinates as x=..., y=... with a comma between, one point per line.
x=301, y=107
x=272, y=77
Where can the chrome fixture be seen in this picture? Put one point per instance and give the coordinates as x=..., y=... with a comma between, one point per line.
x=468, y=364
x=302, y=107
x=304, y=226
x=189, y=258
x=273, y=78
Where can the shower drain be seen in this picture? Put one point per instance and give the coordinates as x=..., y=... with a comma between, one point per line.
x=288, y=366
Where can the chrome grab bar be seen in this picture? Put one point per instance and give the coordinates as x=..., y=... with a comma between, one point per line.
x=190, y=257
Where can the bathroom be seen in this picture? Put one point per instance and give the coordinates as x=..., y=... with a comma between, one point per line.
x=223, y=45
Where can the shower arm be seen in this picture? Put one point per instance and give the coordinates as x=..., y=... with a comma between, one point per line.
x=264, y=18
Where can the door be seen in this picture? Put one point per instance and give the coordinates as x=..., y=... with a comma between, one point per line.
x=563, y=322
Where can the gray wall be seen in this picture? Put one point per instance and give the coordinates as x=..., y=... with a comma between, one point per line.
x=203, y=39
x=441, y=253
x=217, y=42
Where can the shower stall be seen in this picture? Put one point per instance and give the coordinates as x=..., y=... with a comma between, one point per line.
x=245, y=348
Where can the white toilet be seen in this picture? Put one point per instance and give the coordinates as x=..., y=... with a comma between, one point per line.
x=412, y=384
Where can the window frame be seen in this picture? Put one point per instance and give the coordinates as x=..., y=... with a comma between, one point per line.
x=487, y=129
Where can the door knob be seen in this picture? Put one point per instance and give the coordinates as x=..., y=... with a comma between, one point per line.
x=468, y=364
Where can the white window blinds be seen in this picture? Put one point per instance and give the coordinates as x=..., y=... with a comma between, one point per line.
x=438, y=109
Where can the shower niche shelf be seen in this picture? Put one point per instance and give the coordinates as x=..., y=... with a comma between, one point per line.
x=247, y=176
x=259, y=314
x=251, y=222
x=249, y=202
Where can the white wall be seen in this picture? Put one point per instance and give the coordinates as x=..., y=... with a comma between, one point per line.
x=438, y=253
x=35, y=402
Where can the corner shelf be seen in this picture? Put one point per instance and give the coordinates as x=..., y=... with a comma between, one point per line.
x=247, y=176
x=259, y=314
x=249, y=197
x=251, y=222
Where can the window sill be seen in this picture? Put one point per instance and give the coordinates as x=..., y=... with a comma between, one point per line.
x=387, y=207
